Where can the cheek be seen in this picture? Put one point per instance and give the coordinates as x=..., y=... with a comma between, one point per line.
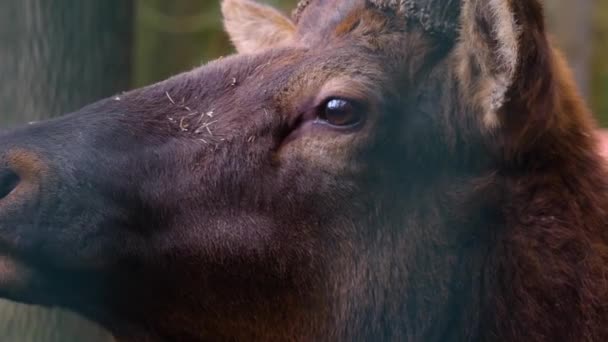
x=335, y=154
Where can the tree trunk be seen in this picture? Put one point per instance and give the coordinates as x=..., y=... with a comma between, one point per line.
x=58, y=55
x=55, y=57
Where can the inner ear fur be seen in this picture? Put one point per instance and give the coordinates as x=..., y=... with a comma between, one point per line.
x=254, y=27
x=502, y=53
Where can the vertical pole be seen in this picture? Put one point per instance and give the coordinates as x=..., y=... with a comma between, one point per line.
x=56, y=56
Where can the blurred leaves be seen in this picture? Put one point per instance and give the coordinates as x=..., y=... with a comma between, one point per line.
x=599, y=67
x=176, y=36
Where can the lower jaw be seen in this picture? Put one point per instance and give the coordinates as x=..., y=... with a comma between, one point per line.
x=14, y=276
x=22, y=283
x=26, y=284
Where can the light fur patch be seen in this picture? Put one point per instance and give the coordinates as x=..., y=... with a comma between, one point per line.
x=498, y=64
x=253, y=27
x=507, y=33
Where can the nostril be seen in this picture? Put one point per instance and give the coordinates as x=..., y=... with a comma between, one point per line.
x=8, y=182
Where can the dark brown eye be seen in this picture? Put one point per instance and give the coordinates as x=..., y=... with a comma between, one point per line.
x=340, y=112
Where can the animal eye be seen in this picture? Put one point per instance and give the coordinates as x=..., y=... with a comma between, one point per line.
x=340, y=112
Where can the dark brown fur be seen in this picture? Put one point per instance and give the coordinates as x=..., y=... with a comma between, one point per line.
x=214, y=206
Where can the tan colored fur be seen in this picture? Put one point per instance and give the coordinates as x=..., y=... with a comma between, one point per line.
x=497, y=64
x=254, y=27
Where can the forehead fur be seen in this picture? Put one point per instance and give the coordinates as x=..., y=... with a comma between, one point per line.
x=434, y=16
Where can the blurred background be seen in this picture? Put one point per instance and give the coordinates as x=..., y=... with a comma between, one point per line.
x=58, y=55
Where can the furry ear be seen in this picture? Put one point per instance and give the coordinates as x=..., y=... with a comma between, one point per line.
x=499, y=40
x=253, y=27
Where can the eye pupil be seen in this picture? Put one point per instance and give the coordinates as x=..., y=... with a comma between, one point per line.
x=340, y=112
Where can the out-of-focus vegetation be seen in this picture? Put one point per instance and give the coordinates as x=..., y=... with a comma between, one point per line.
x=580, y=29
x=175, y=36
x=599, y=67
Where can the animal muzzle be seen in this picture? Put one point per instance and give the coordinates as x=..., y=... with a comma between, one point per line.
x=23, y=175
x=21, y=171
x=8, y=182
x=38, y=204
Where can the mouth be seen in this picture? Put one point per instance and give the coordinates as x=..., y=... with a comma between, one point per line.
x=24, y=283
x=35, y=284
x=15, y=278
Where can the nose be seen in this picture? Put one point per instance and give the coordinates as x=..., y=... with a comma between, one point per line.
x=18, y=167
x=8, y=182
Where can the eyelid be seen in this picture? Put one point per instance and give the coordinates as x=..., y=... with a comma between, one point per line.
x=355, y=91
x=357, y=105
x=355, y=101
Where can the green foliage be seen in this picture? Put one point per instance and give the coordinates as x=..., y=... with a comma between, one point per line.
x=599, y=72
x=176, y=36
